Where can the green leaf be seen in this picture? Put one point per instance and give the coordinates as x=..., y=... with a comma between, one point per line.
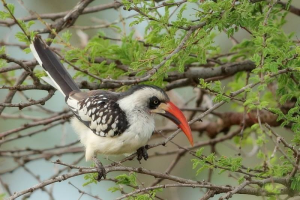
x=11, y=8
x=114, y=189
x=4, y=15
x=295, y=185
x=29, y=24
x=2, y=50
x=40, y=73
x=272, y=188
x=2, y=196
x=241, y=179
x=199, y=152
x=3, y=63
x=90, y=178
x=260, y=155
x=22, y=37
x=285, y=98
x=233, y=163
x=255, y=127
x=118, y=29
x=66, y=36
x=151, y=194
x=27, y=50
x=127, y=179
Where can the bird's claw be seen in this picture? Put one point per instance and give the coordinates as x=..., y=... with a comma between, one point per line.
x=100, y=169
x=142, y=153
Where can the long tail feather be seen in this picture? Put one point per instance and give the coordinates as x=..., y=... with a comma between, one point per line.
x=53, y=67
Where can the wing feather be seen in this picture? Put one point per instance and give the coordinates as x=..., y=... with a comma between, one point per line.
x=100, y=112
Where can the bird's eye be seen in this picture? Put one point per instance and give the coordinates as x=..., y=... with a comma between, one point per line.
x=154, y=102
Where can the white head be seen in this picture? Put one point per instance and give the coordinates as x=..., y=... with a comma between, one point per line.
x=142, y=97
x=145, y=100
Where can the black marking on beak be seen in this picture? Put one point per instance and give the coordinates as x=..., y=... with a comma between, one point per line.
x=170, y=117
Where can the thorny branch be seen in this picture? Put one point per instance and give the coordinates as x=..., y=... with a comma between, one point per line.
x=182, y=182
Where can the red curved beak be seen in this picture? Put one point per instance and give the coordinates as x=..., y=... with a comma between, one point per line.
x=173, y=113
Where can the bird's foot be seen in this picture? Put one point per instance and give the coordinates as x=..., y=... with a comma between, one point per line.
x=100, y=169
x=142, y=153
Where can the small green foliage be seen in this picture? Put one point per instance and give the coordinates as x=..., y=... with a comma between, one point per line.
x=251, y=103
x=255, y=127
x=117, y=28
x=216, y=88
x=126, y=4
x=131, y=181
x=260, y=155
x=40, y=73
x=199, y=152
x=295, y=184
x=22, y=37
x=281, y=170
x=2, y=50
x=149, y=196
x=4, y=15
x=241, y=179
x=233, y=163
x=124, y=179
x=212, y=161
x=272, y=188
x=66, y=36
x=2, y=61
x=90, y=178
x=28, y=35
x=203, y=84
x=11, y=8
x=272, y=198
x=220, y=97
x=27, y=50
x=127, y=179
x=261, y=140
x=115, y=189
x=2, y=196
x=203, y=165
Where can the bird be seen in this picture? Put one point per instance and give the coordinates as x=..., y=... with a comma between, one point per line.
x=107, y=122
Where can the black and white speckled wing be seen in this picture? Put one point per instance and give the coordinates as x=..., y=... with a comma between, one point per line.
x=99, y=112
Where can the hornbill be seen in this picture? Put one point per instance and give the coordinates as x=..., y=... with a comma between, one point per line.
x=110, y=123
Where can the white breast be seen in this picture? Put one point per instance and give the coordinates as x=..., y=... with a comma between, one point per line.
x=136, y=136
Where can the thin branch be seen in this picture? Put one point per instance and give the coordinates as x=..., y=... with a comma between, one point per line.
x=42, y=122
x=55, y=16
x=11, y=94
x=32, y=102
x=85, y=193
x=104, y=25
x=235, y=190
x=181, y=181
